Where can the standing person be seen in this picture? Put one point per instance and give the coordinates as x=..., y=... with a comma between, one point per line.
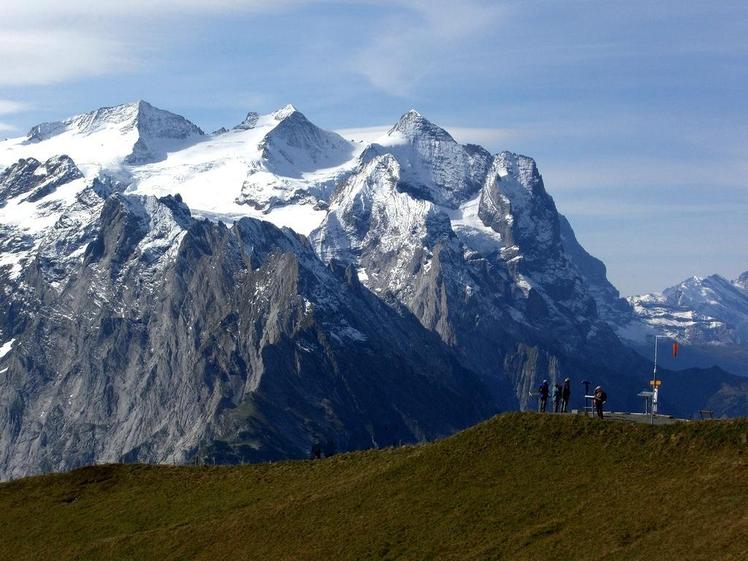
x=543, y=396
x=565, y=395
x=600, y=398
x=316, y=451
x=556, y=398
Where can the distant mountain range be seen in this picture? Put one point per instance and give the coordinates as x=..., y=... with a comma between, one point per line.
x=253, y=293
x=708, y=316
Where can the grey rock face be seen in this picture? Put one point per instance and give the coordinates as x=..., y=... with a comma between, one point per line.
x=249, y=122
x=175, y=338
x=37, y=179
x=515, y=204
x=26, y=184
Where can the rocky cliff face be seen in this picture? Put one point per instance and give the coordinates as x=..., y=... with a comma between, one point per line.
x=742, y=281
x=175, y=337
x=438, y=285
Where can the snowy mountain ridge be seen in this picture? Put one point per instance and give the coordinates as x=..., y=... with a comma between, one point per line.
x=702, y=310
x=139, y=115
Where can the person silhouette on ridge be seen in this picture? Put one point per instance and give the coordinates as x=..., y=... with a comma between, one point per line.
x=543, y=396
x=565, y=395
x=556, y=398
x=600, y=397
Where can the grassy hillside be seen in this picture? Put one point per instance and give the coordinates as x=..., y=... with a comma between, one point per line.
x=520, y=486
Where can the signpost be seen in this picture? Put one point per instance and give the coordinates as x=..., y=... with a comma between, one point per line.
x=587, y=403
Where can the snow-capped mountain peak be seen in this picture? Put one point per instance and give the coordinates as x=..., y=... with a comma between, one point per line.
x=141, y=115
x=296, y=145
x=285, y=111
x=132, y=133
x=433, y=165
x=123, y=115
x=413, y=125
x=277, y=166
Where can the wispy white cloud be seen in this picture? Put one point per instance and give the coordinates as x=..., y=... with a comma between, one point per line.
x=29, y=11
x=364, y=134
x=8, y=106
x=493, y=138
x=420, y=41
x=47, y=56
x=48, y=41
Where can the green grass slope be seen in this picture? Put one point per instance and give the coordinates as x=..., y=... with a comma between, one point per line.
x=517, y=487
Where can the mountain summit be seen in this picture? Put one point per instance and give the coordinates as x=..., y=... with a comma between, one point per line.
x=412, y=124
x=149, y=121
x=296, y=145
x=132, y=133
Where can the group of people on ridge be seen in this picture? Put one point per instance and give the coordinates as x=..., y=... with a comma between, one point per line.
x=561, y=395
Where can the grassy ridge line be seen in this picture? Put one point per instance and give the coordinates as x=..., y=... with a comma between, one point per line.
x=520, y=486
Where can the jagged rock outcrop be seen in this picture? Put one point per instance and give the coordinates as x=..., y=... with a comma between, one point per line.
x=36, y=180
x=742, y=281
x=249, y=122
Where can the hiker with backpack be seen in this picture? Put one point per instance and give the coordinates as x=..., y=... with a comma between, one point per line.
x=600, y=397
x=565, y=395
x=543, y=396
x=556, y=398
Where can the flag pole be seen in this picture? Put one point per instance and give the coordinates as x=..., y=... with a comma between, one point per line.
x=655, y=391
x=654, y=384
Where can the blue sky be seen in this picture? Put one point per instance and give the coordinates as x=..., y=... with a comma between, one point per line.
x=636, y=112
